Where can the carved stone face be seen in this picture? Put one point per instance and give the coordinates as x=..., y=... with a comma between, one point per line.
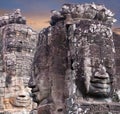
x=21, y=100
x=96, y=60
x=99, y=72
x=40, y=87
x=17, y=94
x=98, y=82
x=17, y=44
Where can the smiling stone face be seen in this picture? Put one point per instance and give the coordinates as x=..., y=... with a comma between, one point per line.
x=39, y=81
x=18, y=95
x=48, y=70
x=92, y=56
x=40, y=87
x=17, y=49
x=99, y=63
x=99, y=82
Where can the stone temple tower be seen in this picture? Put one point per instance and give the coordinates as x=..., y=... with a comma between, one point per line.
x=17, y=47
x=74, y=67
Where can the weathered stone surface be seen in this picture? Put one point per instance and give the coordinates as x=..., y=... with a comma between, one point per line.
x=17, y=47
x=73, y=71
x=76, y=12
x=74, y=65
x=95, y=57
x=50, y=70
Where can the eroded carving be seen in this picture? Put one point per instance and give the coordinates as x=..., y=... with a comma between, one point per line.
x=100, y=82
x=46, y=80
x=14, y=17
x=93, y=57
x=17, y=94
x=18, y=43
x=74, y=66
x=83, y=11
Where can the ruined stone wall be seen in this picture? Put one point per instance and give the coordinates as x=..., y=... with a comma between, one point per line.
x=17, y=47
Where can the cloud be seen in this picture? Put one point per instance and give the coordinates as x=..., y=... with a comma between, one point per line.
x=37, y=22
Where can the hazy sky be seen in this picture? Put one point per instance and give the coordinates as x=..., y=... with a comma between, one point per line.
x=38, y=11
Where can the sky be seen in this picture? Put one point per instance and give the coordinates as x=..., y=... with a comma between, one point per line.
x=37, y=12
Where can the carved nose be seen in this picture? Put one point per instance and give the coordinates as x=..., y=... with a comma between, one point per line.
x=31, y=83
x=102, y=69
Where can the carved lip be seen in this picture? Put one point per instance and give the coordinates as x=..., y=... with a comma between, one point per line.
x=99, y=90
x=24, y=99
x=101, y=81
x=34, y=90
x=100, y=84
x=20, y=102
x=101, y=76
